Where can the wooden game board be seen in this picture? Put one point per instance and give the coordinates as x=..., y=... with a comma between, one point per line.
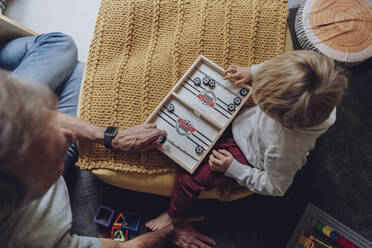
x=196, y=112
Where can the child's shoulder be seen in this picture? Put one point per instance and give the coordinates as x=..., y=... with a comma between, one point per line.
x=273, y=134
x=275, y=129
x=318, y=129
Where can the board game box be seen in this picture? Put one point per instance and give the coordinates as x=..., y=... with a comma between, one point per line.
x=196, y=112
x=334, y=230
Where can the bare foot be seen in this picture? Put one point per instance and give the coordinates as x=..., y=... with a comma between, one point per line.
x=162, y=220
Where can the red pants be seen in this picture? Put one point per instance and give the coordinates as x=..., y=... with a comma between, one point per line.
x=188, y=187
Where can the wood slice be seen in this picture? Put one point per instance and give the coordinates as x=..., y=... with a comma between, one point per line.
x=340, y=29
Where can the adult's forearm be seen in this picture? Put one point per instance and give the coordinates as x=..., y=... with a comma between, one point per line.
x=83, y=130
x=134, y=139
x=147, y=240
x=152, y=239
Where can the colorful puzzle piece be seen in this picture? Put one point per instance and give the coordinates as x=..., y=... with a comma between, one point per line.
x=104, y=215
x=119, y=220
x=106, y=236
x=120, y=228
x=131, y=221
x=119, y=235
x=113, y=229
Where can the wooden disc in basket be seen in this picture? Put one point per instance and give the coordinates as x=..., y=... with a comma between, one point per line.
x=340, y=29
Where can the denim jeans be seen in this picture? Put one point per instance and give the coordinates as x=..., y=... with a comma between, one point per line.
x=51, y=60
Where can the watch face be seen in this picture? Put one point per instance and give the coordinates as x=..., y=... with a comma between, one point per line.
x=110, y=131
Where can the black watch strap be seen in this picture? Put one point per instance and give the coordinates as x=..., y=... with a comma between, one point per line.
x=109, y=134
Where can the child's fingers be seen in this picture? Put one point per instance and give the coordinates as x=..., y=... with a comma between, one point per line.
x=228, y=76
x=213, y=166
x=216, y=162
x=218, y=155
x=221, y=154
x=210, y=162
x=230, y=69
x=211, y=157
x=224, y=152
x=228, y=72
x=240, y=82
x=234, y=76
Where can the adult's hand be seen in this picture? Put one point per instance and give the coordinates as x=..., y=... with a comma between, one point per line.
x=185, y=236
x=138, y=138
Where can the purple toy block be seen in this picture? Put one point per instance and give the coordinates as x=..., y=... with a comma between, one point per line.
x=104, y=215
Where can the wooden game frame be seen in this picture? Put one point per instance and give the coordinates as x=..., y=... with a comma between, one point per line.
x=10, y=29
x=203, y=117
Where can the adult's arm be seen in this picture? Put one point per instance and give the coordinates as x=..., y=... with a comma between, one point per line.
x=147, y=240
x=138, y=138
x=181, y=234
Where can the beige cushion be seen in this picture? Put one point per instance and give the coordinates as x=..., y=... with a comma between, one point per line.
x=159, y=184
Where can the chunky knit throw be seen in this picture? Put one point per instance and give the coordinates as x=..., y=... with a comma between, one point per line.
x=142, y=47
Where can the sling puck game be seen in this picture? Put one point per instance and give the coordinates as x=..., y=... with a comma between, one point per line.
x=196, y=112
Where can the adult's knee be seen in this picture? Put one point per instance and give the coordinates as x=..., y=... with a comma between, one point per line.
x=58, y=37
x=79, y=70
x=60, y=41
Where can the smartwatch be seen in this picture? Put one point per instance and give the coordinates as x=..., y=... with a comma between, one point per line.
x=109, y=134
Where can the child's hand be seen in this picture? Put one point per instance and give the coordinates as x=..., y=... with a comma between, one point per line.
x=241, y=75
x=220, y=160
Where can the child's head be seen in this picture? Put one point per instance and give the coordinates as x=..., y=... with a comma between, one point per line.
x=299, y=89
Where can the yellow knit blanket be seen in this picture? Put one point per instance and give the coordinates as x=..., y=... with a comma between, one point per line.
x=142, y=47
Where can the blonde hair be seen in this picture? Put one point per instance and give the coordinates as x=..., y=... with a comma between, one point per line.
x=299, y=89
